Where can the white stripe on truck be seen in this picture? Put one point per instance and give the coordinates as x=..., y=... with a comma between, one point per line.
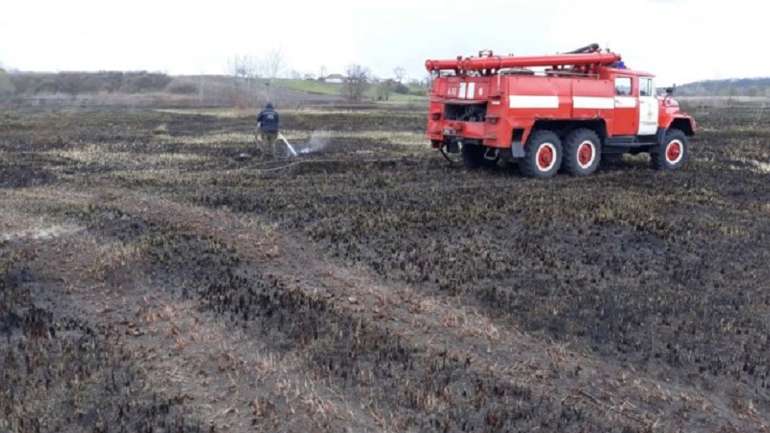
x=529, y=101
x=579, y=102
x=593, y=102
x=625, y=102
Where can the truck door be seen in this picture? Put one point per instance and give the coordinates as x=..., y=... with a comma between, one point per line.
x=626, y=115
x=648, y=107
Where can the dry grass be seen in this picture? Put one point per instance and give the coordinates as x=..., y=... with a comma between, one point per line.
x=396, y=218
x=96, y=154
x=215, y=140
x=233, y=139
x=235, y=113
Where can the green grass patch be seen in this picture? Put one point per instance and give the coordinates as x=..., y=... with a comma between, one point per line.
x=309, y=86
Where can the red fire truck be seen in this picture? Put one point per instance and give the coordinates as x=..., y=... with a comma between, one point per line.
x=567, y=111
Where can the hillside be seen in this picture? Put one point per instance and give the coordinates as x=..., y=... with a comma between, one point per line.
x=153, y=88
x=728, y=87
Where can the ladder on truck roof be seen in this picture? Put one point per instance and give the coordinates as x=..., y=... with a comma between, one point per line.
x=583, y=60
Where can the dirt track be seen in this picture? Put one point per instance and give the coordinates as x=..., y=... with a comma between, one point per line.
x=371, y=287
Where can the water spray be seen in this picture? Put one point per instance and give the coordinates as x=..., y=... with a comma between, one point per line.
x=288, y=145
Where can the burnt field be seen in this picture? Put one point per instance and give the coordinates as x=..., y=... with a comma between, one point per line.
x=153, y=281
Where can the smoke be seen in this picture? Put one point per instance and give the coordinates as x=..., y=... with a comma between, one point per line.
x=318, y=141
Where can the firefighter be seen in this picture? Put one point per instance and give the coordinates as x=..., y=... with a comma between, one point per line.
x=268, y=123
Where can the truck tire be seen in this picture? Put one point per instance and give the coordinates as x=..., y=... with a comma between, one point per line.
x=582, y=152
x=543, y=155
x=672, y=153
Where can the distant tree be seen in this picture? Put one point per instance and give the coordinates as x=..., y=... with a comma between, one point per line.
x=384, y=89
x=322, y=71
x=400, y=88
x=399, y=74
x=356, y=83
x=419, y=86
x=69, y=83
x=6, y=86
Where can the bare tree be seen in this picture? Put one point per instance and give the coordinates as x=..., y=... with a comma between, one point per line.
x=243, y=67
x=427, y=82
x=322, y=73
x=273, y=64
x=245, y=70
x=356, y=82
x=399, y=74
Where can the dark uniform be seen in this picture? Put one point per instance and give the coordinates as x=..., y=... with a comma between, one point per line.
x=269, y=123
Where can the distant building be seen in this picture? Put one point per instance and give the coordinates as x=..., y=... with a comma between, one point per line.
x=335, y=79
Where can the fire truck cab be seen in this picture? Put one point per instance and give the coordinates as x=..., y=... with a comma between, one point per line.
x=571, y=112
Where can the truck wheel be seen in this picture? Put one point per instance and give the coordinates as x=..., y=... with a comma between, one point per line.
x=672, y=153
x=543, y=155
x=582, y=152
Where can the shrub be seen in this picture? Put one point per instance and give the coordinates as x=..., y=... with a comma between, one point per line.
x=400, y=88
x=182, y=88
x=74, y=83
x=138, y=82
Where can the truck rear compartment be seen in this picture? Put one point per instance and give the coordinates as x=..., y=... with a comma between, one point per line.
x=466, y=112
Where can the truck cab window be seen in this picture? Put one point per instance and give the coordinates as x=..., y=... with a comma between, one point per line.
x=645, y=87
x=623, y=86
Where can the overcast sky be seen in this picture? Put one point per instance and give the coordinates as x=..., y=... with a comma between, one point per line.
x=679, y=40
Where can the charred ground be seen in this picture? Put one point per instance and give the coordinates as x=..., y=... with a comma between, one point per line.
x=370, y=286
